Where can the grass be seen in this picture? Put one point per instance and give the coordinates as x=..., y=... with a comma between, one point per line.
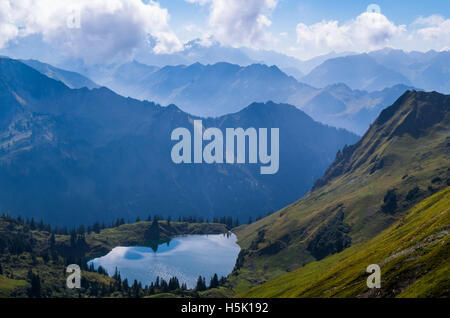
x=413, y=254
x=7, y=286
x=409, y=162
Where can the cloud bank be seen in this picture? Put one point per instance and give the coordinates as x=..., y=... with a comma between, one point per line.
x=370, y=31
x=240, y=23
x=95, y=30
x=111, y=30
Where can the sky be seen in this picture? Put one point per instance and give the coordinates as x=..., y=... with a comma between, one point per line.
x=99, y=30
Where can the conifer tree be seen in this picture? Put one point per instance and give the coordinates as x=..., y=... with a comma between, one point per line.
x=52, y=242
x=35, y=281
x=201, y=284
x=214, y=283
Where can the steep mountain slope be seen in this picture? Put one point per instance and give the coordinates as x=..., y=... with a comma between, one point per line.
x=413, y=255
x=70, y=79
x=403, y=158
x=96, y=155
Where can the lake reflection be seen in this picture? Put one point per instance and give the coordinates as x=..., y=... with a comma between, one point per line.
x=185, y=257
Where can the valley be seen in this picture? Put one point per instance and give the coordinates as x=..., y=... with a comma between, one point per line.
x=224, y=156
x=367, y=208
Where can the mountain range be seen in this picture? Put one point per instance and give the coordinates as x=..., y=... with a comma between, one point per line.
x=205, y=90
x=83, y=155
x=223, y=88
x=374, y=80
x=212, y=52
x=372, y=71
x=381, y=69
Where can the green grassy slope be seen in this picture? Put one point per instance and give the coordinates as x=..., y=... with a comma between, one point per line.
x=7, y=286
x=413, y=253
x=408, y=146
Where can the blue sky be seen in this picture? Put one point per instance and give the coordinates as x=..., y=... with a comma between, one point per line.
x=290, y=12
x=400, y=11
x=301, y=28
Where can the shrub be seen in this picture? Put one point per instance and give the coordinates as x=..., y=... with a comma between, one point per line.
x=390, y=202
x=330, y=238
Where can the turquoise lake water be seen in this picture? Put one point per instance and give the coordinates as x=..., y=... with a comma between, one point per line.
x=185, y=257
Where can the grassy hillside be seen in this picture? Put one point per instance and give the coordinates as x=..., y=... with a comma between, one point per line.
x=8, y=286
x=402, y=159
x=413, y=254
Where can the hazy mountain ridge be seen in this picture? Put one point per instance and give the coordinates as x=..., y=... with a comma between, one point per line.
x=210, y=90
x=356, y=71
x=96, y=155
x=385, y=68
x=212, y=52
x=223, y=88
x=70, y=79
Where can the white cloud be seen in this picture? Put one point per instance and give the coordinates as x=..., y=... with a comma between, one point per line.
x=438, y=32
x=371, y=31
x=428, y=33
x=368, y=31
x=432, y=20
x=94, y=30
x=240, y=23
x=8, y=31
